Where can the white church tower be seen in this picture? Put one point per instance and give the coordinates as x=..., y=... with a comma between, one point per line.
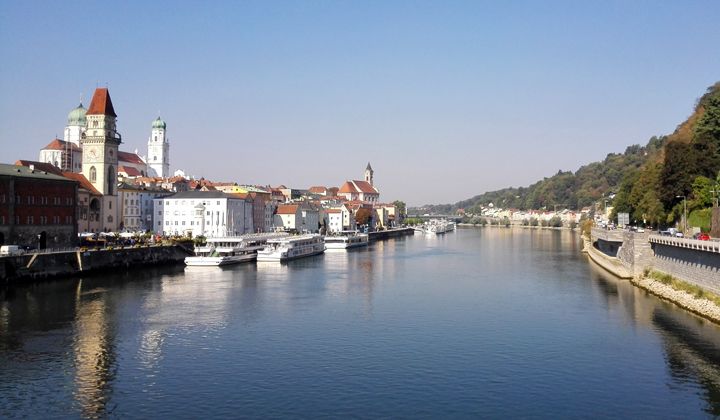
x=158, y=157
x=369, y=174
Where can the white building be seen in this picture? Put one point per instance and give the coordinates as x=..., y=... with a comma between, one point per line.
x=158, y=157
x=339, y=218
x=334, y=220
x=288, y=217
x=206, y=213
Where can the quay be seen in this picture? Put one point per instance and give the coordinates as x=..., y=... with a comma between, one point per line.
x=632, y=255
x=46, y=265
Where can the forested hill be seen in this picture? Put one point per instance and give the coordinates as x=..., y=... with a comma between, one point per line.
x=666, y=165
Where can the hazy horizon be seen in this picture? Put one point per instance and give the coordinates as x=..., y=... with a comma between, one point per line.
x=447, y=100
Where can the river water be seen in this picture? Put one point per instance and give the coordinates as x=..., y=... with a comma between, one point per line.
x=488, y=322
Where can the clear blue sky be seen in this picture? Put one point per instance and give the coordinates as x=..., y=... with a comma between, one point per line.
x=445, y=99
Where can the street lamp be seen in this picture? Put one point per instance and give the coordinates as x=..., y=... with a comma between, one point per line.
x=684, y=211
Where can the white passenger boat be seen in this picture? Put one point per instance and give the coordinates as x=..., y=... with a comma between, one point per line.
x=230, y=250
x=291, y=247
x=438, y=226
x=346, y=239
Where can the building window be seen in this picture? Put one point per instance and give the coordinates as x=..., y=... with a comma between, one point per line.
x=93, y=174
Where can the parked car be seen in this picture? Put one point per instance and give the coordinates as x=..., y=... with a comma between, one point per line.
x=701, y=236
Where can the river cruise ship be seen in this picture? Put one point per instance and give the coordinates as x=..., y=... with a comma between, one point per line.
x=346, y=239
x=437, y=226
x=230, y=250
x=291, y=247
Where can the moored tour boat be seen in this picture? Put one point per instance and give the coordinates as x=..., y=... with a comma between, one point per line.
x=346, y=239
x=229, y=250
x=291, y=247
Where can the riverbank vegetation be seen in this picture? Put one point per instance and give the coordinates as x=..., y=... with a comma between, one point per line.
x=650, y=182
x=681, y=286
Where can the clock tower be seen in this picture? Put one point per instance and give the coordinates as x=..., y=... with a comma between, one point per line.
x=100, y=143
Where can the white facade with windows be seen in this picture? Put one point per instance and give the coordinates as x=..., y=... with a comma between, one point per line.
x=206, y=213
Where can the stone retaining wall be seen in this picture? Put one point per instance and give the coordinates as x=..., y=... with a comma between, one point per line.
x=31, y=267
x=696, y=262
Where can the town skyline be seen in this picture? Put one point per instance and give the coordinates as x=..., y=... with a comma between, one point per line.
x=430, y=94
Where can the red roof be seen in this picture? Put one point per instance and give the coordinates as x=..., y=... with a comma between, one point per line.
x=101, y=103
x=333, y=211
x=58, y=144
x=365, y=187
x=129, y=171
x=287, y=209
x=348, y=187
x=318, y=190
x=40, y=166
x=130, y=158
x=84, y=183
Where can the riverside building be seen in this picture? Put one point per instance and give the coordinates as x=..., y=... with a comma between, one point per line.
x=203, y=213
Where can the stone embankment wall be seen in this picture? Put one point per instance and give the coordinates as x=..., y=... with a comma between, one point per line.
x=59, y=264
x=607, y=241
x=696, y=262
x=635, y=253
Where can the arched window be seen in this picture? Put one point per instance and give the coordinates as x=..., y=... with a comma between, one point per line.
x=93, y=174
x=110, y=180
x=95, y=123
x=155, y=138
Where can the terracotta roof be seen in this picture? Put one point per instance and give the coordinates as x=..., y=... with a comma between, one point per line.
x=84, y=183
x=58, y=144
x=365, y=187
x=101, y=103
x=318, y=190
x=129, y=171
x=40, y=166
x=333, y=211
x=243, y=196
x=130, y=158
x=348, y=187
x=287, y=209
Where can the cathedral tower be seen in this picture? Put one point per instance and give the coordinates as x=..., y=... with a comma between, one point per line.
x=75, y=125
x=158, y=157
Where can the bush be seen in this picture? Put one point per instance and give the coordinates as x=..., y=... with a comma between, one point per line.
x=555, y=222
x=533, y=221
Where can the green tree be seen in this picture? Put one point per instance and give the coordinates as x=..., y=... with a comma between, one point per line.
x=400, y=207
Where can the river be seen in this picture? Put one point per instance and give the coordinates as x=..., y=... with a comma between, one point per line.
x=486, y=322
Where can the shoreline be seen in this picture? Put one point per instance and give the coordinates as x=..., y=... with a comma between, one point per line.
x=701, y=307
x=698, y=306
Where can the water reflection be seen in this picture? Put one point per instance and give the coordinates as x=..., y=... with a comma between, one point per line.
x=94, y=351
x=693, y=357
